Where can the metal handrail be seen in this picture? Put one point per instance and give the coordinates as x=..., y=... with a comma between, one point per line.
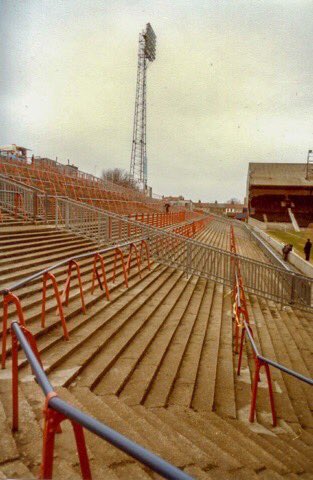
x=274, y=364
x=39, y=274
x=25, y=186
x=172, y=234
x=119, y=441
x=283, y=286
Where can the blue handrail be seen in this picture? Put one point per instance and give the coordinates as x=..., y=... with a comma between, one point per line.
x=131, y=448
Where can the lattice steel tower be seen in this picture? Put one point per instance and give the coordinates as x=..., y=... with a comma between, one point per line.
x=309, y=165
x=146, y=53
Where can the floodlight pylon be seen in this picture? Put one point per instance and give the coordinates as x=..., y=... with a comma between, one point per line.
x=309, y=165
x=138, y=163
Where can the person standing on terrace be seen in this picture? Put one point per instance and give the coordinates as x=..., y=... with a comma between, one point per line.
x=307, y=249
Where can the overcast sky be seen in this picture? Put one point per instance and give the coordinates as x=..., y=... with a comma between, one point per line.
x=232, y=83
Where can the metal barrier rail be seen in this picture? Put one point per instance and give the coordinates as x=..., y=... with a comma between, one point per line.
x=72, y=262
x=22, y=200
x=241, y=318
x=57, y=410
x=106, y=227
x=159, y=219
x=263, y=279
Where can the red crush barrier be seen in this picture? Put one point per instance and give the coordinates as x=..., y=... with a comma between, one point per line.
x=119, y=253
x=145, y=245
x=258, y=364
x=49, y=276
x=95, y=274
x=240, y=309
x=52, y=421
x=66, y=291
x=19, y=205
x=128, y=262
x=9, y=298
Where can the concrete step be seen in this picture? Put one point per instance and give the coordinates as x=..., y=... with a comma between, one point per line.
x=203, y=396
x=284, y=407
x=50, y=341
x=152, y=437
x=296, y=391
x=155, y=340
x=224, y=398
x=167, y=373
x=214, y=454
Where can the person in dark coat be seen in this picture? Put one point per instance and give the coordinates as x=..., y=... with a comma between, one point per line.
x=307, y=249
x=286, y=250
x=167, y=207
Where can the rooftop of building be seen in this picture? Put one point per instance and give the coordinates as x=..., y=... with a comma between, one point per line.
x=279, y=174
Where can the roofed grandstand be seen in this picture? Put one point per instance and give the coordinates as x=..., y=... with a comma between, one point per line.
x=275, y=191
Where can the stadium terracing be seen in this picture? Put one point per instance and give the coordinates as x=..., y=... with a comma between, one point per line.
x=175, y=343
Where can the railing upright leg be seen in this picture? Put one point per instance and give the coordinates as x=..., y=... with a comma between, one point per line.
x=67, y=215
x=254, y=390
x=14, y=382
x=35, y=206
x=66, y=292
x=52, y=421
x=243, y=332
x=46, y=208
x=56, y=212
x=82, y=451
x=9, y=298
x=46, y=276
x=271, y=394
x=188, y=260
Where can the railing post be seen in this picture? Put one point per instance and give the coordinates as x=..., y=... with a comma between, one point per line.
x=292, y=290
x=56, y=212
x=46, y=206
x=99, y=228
x=188, y=259
x=67, y=215
x=35, y=206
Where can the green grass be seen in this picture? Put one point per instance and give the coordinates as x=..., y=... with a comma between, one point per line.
x=297, y=239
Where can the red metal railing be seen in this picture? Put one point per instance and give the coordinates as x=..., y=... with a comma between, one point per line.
x=56, y=410
x=241, y=320
x=63, y=298
x=162, y=220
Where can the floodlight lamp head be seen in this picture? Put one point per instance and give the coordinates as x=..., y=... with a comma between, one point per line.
x=150, y=42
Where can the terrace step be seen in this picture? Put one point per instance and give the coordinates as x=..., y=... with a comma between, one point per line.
x=295, y=390
x=120, y=324
x=214, y=454
x=28, y=439
x=284, y=407
x=204, y=391
x=153, y=341
x=102, y=452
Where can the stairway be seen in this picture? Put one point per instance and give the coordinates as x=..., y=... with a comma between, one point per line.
x=156, y=363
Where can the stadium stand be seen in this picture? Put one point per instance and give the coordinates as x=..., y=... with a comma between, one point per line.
x=143, y=340
x=57, y=179
x=272, y=188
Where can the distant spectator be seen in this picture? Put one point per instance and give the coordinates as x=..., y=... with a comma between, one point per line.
x=167, y=207
x=307, y=249
x=286, y=250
